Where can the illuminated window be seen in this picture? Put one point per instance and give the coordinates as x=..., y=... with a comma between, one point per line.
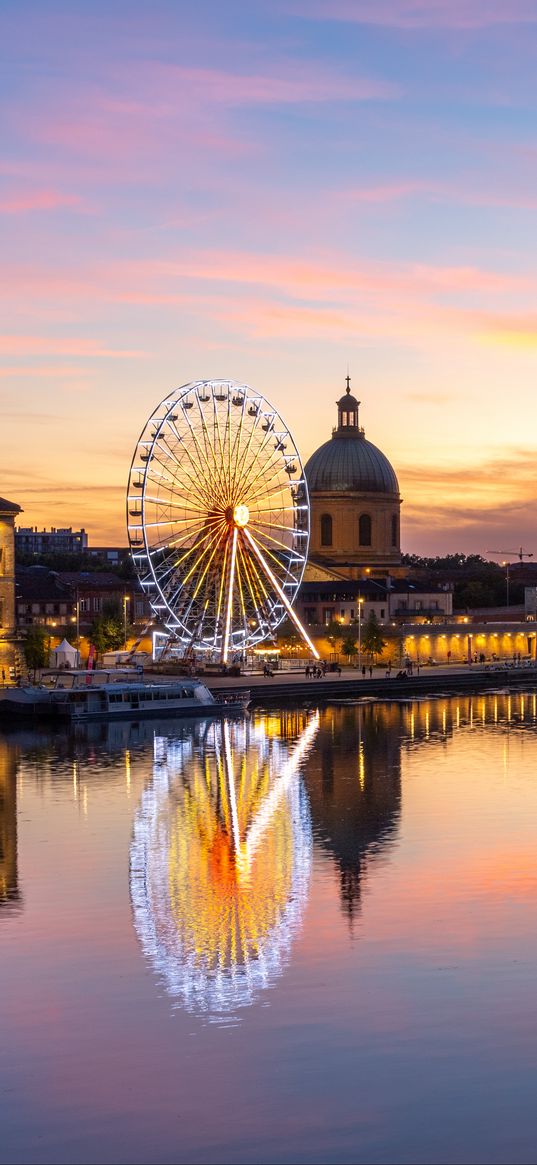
x=364, y=530
x=326, y=529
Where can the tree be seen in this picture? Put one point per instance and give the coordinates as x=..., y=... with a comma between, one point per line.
x=348, y=646
x=372, y=641
x=108, y=630
x=334, y=632
x=287, y=633
x=36, y=648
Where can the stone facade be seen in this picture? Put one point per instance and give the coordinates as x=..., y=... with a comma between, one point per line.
x=343, y=551
x=8, y=513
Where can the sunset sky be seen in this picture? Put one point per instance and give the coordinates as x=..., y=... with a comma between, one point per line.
x=272, y=192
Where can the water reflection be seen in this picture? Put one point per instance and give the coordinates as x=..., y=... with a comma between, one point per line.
x=354, y=785
x=221, y=858
x=9, y=880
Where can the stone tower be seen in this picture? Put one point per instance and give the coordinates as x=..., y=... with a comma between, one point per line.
x=8, y=513
x=355, y=500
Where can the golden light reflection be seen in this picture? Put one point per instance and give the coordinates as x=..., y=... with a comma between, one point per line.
x=220, y=860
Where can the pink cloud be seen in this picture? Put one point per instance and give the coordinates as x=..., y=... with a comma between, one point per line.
x=390, y=192
x=184, y=108
x=424, y=14
x=24, y=201
x=61, y=346
x=443, y=192
x=292, y=84
x=52, y=372
x=320, y=280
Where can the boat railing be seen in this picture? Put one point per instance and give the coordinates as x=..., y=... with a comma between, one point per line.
x=232, y=697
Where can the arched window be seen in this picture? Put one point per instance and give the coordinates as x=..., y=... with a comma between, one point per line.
x=395, y=530
x=364, y=530
x=326, y=529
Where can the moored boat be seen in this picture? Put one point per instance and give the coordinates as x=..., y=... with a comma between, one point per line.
x=82, y=695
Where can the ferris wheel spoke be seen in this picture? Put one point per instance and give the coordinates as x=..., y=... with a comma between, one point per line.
x=265, y=440
x=277, y=561
x=206, y=551
x=206, y=543
x=275, y=492
x=220, y=459
x=257, y=459
x=193, y=480
x=229, y=603
x=165, y=504
x=272, y=471
x=161, y=443
x=263, y=522
x=196, y=474
x=278, y=509
x=211, y=457
x=185, y=614
x=240, y=588
x=219, y=481
x=254, y=431
x=176, y=521
x=241, y=584
x=196, y=545
x=210, y=468
x=290, y=611
x=172, y=544
x=221, y=591
x=276, y=541
x=160, y=478
x=237, y=445
x=258, y=592
x=227, y=437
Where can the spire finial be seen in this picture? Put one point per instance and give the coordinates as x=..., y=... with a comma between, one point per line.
x=348, y=380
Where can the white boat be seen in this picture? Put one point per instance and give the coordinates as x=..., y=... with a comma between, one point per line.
x=83, y=695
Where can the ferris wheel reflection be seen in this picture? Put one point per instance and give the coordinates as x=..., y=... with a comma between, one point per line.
x=220, y=860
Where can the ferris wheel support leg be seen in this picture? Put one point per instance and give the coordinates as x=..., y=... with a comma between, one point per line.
x=229, y=605
x=292, y=614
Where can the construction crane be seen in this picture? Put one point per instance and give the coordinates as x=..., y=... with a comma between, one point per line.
x=521, y=554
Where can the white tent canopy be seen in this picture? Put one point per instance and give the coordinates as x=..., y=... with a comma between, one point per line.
x=64, y=655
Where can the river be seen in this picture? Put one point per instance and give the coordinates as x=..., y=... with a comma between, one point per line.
x=307, y=936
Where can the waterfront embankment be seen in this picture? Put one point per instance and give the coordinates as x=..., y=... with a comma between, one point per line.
x=352, y=685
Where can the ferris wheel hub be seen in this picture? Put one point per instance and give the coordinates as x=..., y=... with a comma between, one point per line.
x=241, y=515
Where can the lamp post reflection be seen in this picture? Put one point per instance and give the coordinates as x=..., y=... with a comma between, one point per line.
x=220, y=862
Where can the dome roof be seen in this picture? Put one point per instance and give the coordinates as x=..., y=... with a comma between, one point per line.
x=350, y=465
x=347, y=402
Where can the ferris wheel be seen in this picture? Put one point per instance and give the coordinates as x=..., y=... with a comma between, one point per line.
x=218, y=518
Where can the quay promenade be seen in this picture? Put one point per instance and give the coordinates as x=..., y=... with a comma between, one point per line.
x=351, y=684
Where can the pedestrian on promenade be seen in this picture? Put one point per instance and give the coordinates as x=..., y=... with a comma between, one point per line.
x=363, y=670
x=370, y=671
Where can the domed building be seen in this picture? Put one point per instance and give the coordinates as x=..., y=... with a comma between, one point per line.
x=355, y=501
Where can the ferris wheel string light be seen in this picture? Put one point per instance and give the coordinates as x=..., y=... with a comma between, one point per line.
x=218, y=518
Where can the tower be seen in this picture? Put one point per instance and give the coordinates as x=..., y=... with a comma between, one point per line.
x=355, y=500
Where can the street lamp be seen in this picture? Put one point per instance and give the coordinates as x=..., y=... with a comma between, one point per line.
x=360, y=601
x=125, y=601
x=506, y=564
